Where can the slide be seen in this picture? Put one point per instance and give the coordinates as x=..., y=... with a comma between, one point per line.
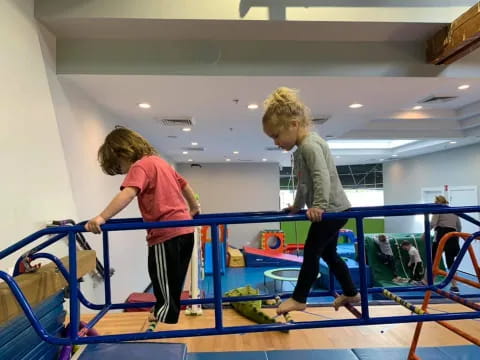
x=382, y=274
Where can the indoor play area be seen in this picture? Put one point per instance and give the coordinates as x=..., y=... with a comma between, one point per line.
x=238, y=295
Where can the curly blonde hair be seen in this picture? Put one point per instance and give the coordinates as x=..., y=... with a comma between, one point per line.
x=440, y=199
x=122, y=144
x=284, y=105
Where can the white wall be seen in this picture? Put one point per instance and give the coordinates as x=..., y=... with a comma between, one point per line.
x=403, y=180
x=35, y=183
x=49, y=140
x=237, y=188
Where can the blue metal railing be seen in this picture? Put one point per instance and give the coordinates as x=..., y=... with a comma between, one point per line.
x=232, y=218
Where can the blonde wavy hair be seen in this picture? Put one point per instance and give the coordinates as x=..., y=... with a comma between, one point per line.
x=122, y=144
x=284, y=105
x=440, y=199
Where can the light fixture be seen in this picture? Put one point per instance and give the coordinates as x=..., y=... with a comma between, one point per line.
x=144, y=105
x=187, y=129
x=252, y=106
x=463, y=87
x=264, y=159
x=394, y=155
x=338, y=157
x=418, y=107
x=453, y=142
x=235, y=152
x=184, y=152
x=227, y=159
x=355, y=106
x=381, y=159
x=190, y=160
x=194, y=143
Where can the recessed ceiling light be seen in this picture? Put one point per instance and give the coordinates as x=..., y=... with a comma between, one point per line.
x=144, y=105
x=264, y=159
x=227, y=159
x=463, y=87
x=381, y=159
x=184, y=152
x=418, y=107
x=453, y=142
x=394, y=155
x=190, y=160
x=194, y=143
x=186, y=129
x=338, y=157
x=235, y=152
x=252, y=106
x=355, y=106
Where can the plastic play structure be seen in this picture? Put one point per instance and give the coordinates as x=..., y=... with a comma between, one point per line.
x=15, y=286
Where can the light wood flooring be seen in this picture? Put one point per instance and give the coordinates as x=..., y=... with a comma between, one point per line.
x=391, y=335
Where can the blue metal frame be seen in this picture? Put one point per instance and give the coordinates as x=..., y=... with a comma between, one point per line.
x=231, y=218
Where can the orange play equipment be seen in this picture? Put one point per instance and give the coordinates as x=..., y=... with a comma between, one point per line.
x=272, y=240
x=472, y=305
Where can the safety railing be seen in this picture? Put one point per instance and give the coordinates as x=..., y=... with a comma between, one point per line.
x=451, y=274
x=362, y=318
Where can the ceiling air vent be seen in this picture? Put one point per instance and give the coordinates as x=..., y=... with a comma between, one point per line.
x=319, y=120
x=176, y=121
x=196, y=148
x=437, y=99
x=273, y=148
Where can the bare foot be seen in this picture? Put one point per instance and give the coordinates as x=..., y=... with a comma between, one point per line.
x=151, y=317
x=290, y=305
x=341, y=300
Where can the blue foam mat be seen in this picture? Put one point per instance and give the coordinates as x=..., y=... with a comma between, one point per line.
x=137, y=351
x=231, y=355
x=467, y=352
x=426, y=353
x=337, y=354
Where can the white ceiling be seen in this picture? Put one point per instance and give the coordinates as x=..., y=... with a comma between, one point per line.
x=223, y=125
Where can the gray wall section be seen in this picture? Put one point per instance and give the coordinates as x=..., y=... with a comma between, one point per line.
x=35, y=182
x=236, y=188
x=404, y=179
x=185, y=57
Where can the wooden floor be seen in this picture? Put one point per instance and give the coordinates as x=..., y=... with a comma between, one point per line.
x=391, y=335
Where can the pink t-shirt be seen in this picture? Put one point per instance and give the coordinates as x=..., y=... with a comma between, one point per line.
x=160, y=196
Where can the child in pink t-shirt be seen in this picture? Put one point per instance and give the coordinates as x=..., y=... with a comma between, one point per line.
x=161, y=194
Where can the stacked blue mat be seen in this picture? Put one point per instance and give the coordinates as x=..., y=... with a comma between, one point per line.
x=18, y=339
x=425, y=353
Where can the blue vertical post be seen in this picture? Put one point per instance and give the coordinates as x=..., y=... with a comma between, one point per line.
x=428, y=249
x=217, y=280
x=73, y=286
x=361, y=264
x=106, y=269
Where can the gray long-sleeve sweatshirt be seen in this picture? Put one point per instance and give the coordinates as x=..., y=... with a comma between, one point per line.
x=318, y=181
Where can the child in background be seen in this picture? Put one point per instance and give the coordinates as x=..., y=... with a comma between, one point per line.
x=287, y=121
x=161, y=194
x=415, y=261
x=385, y=255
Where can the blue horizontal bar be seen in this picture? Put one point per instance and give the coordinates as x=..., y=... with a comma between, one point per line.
x=267, y=327
x=232, y=218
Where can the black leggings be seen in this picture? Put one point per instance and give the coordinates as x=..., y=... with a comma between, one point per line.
x=322, y=242
x=452, y=248
x=167, y=267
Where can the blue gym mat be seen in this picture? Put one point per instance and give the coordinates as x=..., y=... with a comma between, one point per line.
x=426, y=353
x=134, y=350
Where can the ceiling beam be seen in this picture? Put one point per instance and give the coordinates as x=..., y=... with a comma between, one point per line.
x=456, y=40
